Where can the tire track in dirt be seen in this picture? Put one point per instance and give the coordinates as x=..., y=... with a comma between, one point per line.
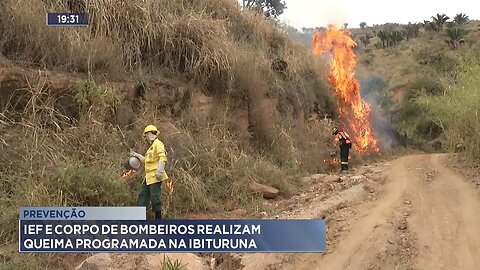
x=447, y=221
x=424, y=217
x=362, y=245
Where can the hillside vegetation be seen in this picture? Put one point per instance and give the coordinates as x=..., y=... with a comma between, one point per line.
x=428, y=75
x=75, y=100
x=422, y=75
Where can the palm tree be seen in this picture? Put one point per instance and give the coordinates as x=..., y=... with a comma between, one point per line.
x=455, y=37
x=363, y=24
x=440, y=20
x=429, y=26
x=461, y=18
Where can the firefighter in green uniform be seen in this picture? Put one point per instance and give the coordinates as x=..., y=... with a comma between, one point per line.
x=154, y=159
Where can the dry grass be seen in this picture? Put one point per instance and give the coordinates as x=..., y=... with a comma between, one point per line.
x=203, y=41
x=133, y=34
x=67, y=148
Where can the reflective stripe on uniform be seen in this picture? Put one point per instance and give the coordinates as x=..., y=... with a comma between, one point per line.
x=344, y=162
x=345, y=136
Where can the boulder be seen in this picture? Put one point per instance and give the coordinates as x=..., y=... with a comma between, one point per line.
x=268, y=192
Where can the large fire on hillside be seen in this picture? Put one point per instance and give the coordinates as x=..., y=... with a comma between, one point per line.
x=352, y=109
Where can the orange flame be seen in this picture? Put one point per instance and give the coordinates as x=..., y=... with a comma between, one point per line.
x=169, y=184
x=332, y=162
x=127, y=173
x=353, y=110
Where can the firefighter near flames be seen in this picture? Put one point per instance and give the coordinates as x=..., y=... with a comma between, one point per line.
x=353, y=111
x=155, y=160
x=343, y=140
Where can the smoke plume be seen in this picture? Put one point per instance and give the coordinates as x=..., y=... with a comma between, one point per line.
x=370, y=89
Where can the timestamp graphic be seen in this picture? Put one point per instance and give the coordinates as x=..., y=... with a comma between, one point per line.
x=67, y=19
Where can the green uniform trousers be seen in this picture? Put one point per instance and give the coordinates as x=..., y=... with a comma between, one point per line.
x=150, y=193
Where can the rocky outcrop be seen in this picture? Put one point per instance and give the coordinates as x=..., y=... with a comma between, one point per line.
x=267, y=191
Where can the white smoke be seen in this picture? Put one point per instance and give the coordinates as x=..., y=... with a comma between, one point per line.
x=384, y=130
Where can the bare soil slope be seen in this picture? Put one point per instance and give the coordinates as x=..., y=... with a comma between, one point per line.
x=411, y=213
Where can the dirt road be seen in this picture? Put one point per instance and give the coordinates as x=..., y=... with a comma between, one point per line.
x=411, y=213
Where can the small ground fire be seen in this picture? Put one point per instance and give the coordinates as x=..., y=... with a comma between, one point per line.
x=127, y=173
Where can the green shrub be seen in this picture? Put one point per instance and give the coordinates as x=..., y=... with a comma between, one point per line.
x=425, y=85
x=90, y=185
x=440, y=62
x=457, y=112
x=91, y=94
x=416, y=122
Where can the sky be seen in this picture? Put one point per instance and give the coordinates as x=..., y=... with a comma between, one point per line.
x=312, y=13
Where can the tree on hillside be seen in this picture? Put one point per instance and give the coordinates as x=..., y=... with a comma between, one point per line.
x=461, y=18
x=455, y=37
x=430, y=26
x=439, y=20
x=383, y=36
x=345, y=25
x=365, y=39
x=271, y=8
x=395, y=37
x=363, y=24
x=412, y=30
x=390, y=37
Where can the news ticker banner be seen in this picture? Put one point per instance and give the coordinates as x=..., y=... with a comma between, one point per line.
x=100, y=235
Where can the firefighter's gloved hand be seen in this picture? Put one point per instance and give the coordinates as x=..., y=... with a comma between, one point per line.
x=132, y=153
x=137, y=155
x=159, y=172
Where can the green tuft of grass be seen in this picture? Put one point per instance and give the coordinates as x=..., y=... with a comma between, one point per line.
x=168, y=264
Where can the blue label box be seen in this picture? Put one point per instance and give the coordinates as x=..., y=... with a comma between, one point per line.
x=67, y=19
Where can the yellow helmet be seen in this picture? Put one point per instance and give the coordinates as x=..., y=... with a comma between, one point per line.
x=335, y=130
x=151, y=128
